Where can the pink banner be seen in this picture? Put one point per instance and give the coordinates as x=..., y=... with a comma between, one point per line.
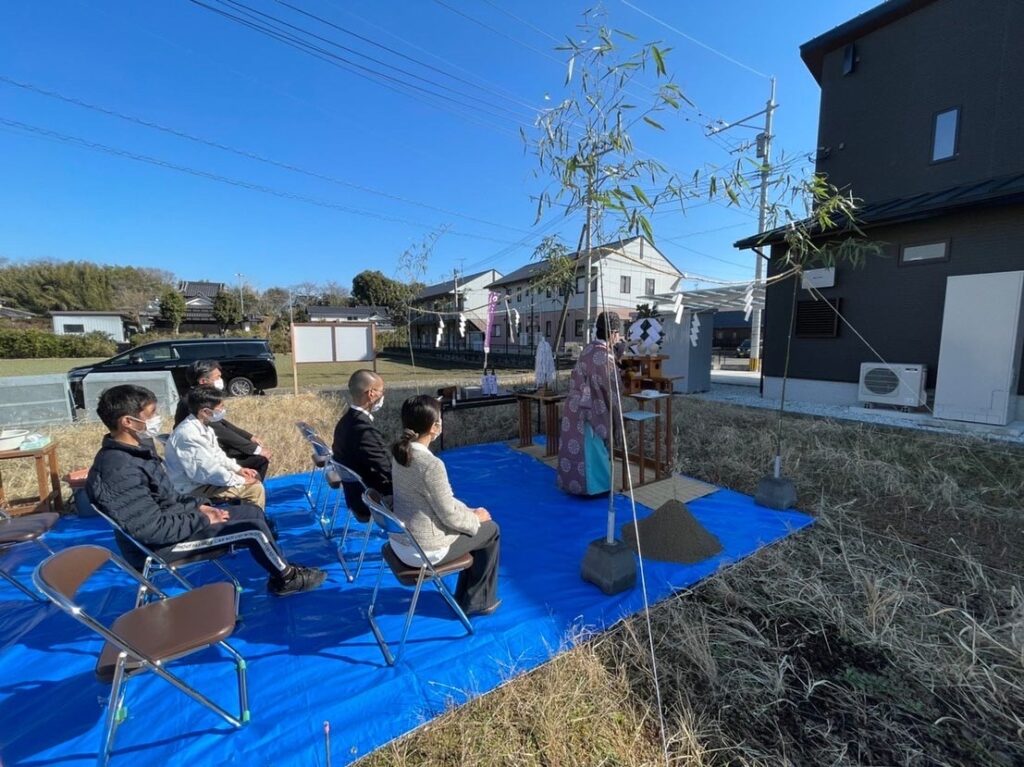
x=492, y=303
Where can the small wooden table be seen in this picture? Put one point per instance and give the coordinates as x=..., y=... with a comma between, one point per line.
x=48, y=499
x=552, y=423
x=662, y=462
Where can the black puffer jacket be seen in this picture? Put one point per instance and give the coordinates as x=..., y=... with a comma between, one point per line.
x=131, y=485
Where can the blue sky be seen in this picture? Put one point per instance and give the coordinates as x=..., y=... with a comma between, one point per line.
x=184, y=67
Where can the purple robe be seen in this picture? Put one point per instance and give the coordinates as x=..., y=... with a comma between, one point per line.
x=591, y=402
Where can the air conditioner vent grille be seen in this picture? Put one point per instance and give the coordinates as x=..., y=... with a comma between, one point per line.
x=881, y=381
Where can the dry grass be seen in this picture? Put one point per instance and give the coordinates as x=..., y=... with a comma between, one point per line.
x=847, y=644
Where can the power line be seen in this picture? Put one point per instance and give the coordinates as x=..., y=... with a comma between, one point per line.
x=694, y=40
x=494, y=90
x=242, y=152
x=276, y=20
x=391, y=83
x=117, y=152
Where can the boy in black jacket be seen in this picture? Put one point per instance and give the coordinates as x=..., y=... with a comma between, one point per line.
x=129, y=483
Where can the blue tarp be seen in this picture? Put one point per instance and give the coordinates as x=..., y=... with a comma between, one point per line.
x=312, y=657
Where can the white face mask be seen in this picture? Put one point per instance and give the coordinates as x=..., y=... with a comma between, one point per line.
x=218, y=415
x=377, y=405
x=152, y=426
x=218, y=384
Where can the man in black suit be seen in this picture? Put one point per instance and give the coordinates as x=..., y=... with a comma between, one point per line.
x=359, y=445
x=248, y=450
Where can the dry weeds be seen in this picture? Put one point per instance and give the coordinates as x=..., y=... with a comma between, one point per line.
x=847, y=644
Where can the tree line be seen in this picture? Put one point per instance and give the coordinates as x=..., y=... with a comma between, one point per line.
x=44, y=286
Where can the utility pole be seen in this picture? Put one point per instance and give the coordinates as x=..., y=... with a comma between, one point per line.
x=241, y=298
x=764, y=146
x=764, y=153
x=455, y=296
x=586, y=281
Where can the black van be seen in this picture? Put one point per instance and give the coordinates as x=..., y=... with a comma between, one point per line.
x=247, y=364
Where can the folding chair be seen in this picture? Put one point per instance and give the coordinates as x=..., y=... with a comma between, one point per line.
x=145, y=638
x=309, y=434
x=155, y=563
x=409, y=575
x=347, y=476
x=321, y=457
x=28, y=529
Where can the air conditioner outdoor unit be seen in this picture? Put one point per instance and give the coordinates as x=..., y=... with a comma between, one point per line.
x=891, y=384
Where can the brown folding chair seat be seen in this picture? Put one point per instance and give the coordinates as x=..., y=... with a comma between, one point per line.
x=407, y=575
x=145, y=638
x=27, y=529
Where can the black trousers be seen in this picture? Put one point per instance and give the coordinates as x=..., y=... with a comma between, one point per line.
x=247, y=528
x=257, y=462
x=477, y=588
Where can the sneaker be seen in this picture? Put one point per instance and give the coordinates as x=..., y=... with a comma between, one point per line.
x=303, y=579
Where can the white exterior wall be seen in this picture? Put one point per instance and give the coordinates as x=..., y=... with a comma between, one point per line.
x=112, y=325
x=639, y=260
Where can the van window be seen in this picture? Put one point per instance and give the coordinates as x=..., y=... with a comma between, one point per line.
x=210, y=351
x=245, y=349
x=158, y=353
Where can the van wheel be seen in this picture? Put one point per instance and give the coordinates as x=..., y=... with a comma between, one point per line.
x=240, y=387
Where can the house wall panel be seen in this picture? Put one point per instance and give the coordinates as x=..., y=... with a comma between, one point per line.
x=875, y=125
x=897, y=308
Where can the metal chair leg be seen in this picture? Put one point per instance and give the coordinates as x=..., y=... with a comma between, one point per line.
x=410, y=614
x=21, y=587
x=362, y=551
x=374, y=627
x=234, y=581
x=116, y=711
x=243, y=690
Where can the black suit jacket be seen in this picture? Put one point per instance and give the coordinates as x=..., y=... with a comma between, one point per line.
x=361, y=447
x=233, y=440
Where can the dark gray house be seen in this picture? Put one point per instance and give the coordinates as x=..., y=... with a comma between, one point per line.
x=922, y=113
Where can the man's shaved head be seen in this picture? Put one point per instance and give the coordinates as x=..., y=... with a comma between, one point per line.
x=361, y=382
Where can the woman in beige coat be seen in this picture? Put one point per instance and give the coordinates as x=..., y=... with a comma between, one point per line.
x=442, y=524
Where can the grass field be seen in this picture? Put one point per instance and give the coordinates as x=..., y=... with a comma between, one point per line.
x=312, y=376
x=891, y=632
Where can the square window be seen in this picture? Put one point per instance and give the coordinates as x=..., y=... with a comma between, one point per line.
x=931, y=251
x=945, y=134
x=495, y=331
x=69, y=329
x=580, y=282
x=547, y=328
x=649, y=287
x=579, y=328
x=625, y=284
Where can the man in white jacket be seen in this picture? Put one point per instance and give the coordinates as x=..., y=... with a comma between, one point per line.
x=196, y=462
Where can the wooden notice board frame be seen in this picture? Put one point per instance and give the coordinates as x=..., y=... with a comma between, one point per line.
x=337, y=354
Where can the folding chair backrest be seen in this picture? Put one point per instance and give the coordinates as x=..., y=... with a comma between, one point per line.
x=320, y=447
x=305, y=429
x=383, y=517
x=64, y=573
x=348, y=476
x=143, y=548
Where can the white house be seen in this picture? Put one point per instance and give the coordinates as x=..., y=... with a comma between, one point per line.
x=625, y=273
x=72, y=323
x=350, y=314
x=467, y=294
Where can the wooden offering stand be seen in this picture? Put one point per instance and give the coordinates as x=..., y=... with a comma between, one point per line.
x=640, y=372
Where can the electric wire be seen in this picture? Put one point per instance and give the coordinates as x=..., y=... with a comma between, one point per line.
x=694, y=40
x=396, y=85
x=243, y=152
x=199, y=173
